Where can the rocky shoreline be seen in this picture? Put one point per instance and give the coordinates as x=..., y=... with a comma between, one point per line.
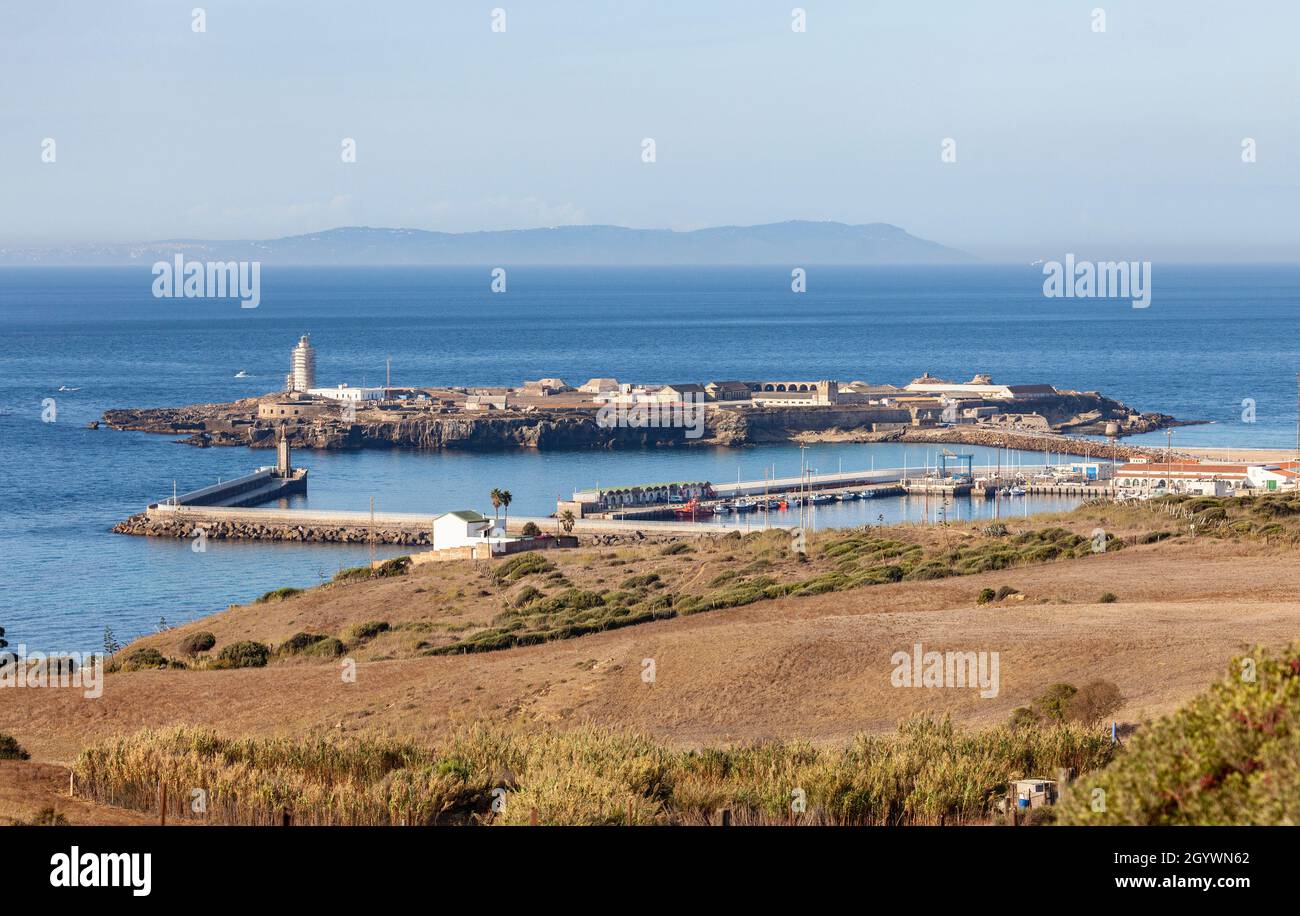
x=238, y=424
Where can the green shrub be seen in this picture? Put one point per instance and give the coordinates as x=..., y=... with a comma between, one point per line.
x=1226, y=758
x=530, y=530
x=361, y=632
x=675, y=548
x=397, y=566
x=329, y=647
x=986, y=595
x=526, y=595
x=643, y=581
x=144, y=658
x=10, y=749
x=280, y=594
x=196, y=643
x=246, y=654
x=522, y=564
x=299, y=642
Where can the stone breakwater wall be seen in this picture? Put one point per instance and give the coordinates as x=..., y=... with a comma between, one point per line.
x=180, y=528
x=143, y=524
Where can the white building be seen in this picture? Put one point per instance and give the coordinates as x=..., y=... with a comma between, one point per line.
x=346, y=393
x=465, y=528
x=981, y=386
x=302, y=366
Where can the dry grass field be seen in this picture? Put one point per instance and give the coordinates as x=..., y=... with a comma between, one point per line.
x=814, y=666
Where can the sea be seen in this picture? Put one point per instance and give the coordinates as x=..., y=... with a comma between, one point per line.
x=1217, y=344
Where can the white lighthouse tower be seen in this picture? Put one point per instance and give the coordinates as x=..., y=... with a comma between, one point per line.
x=302, y=366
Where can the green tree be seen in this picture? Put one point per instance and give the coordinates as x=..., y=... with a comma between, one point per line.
x=111, y=645
x=567, y=521
x=506, y=499
x=495, y=496
x=1054, y=703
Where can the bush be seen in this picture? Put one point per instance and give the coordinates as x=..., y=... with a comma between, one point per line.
x=145, y=658
x=11, y=749
x=397, y=566
x=530, y=530
x=299, y=642
x=1226, y=758
x=522, y=564
x=986, y=595
x=1055, y=701
x=328, y=647
x=1094, y=702
x=279, y=594
x=246, y=654
x=643, y=581
x=369, y=630
x=526, y=595
x=1004, y=591
x=195, y=643
x=677, y=547
x=1107, y=598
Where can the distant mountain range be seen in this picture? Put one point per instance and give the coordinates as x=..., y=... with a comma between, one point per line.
x=794, y=243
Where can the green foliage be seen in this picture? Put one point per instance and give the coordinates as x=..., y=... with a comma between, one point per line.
x=246, y=654
x=362, y=632
x=280, y=594
x=986, y=595
x=1228, y=757
x=522, y=564
x=10, y=749
x=196, y=643
x=676, y=548
x=530, y=530
x=144, y=658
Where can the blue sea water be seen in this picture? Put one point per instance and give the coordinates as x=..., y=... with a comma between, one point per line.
x=1212, y=337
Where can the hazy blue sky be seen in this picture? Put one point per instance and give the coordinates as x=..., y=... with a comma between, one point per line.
x=1126, y=143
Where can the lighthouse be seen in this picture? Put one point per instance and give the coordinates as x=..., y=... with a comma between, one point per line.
x=302, y=366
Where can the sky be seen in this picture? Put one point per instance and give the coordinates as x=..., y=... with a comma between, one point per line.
x=1125, y=142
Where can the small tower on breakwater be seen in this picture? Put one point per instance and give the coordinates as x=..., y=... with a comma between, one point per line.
x=283, y=466
x=302, y=366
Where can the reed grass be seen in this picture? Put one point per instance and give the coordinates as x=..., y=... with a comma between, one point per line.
x=927, y=772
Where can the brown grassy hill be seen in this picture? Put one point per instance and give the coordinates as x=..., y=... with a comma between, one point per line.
x=811, y=665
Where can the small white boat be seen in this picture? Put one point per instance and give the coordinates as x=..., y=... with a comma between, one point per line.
x=66, y=388
x=241, y=374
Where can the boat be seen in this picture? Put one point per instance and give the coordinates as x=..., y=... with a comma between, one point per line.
x=742, y=507
x=693, y=510
x=722, y=508
x=241, y=374
x=1016, y=491
x=820, y=498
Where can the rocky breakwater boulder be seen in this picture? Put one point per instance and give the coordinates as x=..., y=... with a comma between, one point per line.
x=180, y=528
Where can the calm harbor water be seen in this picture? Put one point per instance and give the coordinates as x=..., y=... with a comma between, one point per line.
x=1212, y=337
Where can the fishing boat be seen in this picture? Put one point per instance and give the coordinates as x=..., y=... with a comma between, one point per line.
x=742, y=507
x=820, y=498
x=693, y=510
x=1016, y=491
x=722, y=508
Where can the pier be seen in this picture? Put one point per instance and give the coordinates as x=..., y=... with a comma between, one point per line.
x=262, y=486
x=659, y=501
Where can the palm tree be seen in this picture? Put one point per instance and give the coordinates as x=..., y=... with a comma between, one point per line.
x=496, y=504
x=506, y=499
x=566, y=521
